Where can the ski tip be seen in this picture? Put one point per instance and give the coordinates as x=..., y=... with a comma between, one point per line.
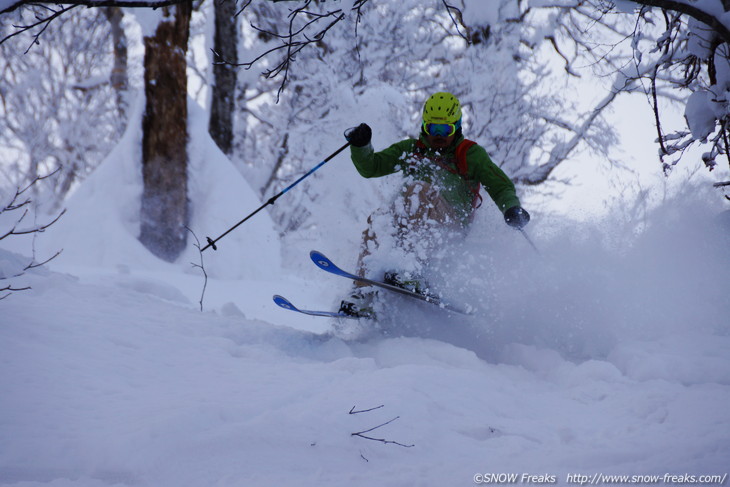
x=282, y=302
x=316, y=254
x=321, y=260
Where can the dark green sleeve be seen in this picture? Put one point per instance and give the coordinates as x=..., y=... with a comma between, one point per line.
x=499, y=187
x=371, y=164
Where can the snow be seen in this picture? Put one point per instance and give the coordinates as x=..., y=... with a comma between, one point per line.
x=475, y=13
x=105, y=384
x=147, y=18
x=606, y=354
x=699, y=41
x=625, y=6
x=700, y=115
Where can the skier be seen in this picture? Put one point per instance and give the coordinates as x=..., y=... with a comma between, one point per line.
x=443, y=172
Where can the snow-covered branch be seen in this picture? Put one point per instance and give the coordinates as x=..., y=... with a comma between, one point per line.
x=694, y=10
x=691, y=58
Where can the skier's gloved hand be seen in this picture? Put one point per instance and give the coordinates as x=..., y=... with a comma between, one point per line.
x=516, y=217
x=359, y=136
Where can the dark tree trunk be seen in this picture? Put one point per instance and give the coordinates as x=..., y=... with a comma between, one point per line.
x=119, y=70
x=164, y=140
x=225, y=44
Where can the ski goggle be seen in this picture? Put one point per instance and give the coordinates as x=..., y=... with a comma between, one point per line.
x=441, y=129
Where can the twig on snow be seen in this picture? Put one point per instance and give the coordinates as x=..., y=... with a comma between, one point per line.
x=352, y=411
x=201, y=266
x=362, y=434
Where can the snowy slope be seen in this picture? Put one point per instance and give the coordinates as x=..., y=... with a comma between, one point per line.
x=110, y=384
x=609, y=362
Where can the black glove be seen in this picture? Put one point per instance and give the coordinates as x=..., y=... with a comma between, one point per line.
x=359, y=136
x=516, y=217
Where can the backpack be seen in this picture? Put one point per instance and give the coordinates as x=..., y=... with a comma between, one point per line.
x=462, y=169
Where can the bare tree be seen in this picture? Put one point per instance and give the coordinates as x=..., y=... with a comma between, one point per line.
x=305, y=25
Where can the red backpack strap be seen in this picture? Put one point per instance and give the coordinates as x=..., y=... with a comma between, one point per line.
x=463, y=167
x=460, y=152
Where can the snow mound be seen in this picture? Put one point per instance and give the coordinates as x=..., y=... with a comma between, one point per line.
x=101, y=225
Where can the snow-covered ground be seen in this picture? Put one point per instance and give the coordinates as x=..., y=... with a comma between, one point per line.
x=607, y=354
x=117, y=379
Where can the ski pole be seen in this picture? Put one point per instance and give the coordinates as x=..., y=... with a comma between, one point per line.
x=529, y=240
x=272, y=200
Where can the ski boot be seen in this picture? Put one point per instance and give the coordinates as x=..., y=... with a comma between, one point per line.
x=360, y=303
x=408, y=282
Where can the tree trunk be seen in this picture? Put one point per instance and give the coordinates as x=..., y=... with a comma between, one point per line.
x=223, y=100
x=118, y=77
x=164, y=140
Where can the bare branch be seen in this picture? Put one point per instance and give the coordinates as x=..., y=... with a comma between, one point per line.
x=657, y=120
x=10, y=290
x=362, y=434
x=33, y=265
x=43, y=22
x=352, y=411
x=38, y=229
x=38, y=179
x=246, y=4
x=568, y=68
x=153, y=4
x=296, y=39
x=456, y=23
x=14, y=205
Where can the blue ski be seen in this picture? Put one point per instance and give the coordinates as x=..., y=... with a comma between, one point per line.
x=286, y=304
x=321, y=261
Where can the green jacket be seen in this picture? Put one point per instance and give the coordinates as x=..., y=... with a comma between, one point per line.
x=429, y=166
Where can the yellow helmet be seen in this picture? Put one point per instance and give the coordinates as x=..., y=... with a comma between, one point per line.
x=442, y=107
